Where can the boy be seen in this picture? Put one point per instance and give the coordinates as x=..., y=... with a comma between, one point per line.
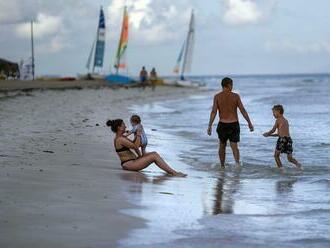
x=284, y=142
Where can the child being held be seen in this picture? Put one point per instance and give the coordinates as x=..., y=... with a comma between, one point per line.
x=137, y=127
x=284, y=142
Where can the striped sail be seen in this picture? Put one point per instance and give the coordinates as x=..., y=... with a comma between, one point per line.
x=120, y=63
x=100, y=41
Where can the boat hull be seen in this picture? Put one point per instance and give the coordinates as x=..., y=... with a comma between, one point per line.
x=185, y=83
x=119, y=79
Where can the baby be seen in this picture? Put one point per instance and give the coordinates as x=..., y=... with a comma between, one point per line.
x=137, y=126
x=284, y=142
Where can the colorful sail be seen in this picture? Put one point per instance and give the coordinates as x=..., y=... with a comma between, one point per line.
x=188, y=55
x=178, y=62
x=120, y=64
x=100, y=41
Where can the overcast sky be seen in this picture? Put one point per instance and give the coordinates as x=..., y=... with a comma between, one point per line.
x=232, y=36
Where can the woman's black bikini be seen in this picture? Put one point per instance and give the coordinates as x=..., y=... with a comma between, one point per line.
x=125, y=154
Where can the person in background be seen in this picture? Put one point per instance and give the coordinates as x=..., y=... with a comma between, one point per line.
x=143, y=77
x=153, y=78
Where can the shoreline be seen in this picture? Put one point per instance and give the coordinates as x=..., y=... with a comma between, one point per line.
x=29, y=85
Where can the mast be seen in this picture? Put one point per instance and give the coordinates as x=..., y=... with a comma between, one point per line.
x=178, y=61
x=187, y=60
x=89, y=60
x=32, y=50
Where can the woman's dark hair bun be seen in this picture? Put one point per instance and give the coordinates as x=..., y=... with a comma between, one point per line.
x=114, y=124
x=110, y=123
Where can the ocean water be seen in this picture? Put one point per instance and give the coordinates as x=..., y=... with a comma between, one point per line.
x=255, y=205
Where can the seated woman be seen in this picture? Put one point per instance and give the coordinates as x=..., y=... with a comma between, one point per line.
x=129, y=161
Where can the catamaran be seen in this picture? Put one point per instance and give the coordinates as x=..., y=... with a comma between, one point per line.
x=97, y=51
x=185, y=58
x=120, y=61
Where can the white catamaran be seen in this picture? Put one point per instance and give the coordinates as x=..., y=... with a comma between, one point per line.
x=184, y=61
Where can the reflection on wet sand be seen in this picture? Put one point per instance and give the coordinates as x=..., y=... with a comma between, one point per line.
x=140, y=177
x=226, y=186
x=285, y=186
x=134, y=177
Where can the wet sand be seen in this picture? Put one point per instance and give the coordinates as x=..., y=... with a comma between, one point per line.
x=61, y=181
x=14, y=85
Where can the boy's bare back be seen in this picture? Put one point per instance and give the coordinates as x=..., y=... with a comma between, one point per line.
x=282, y=125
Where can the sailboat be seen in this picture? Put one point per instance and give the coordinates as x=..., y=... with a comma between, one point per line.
x=184, y=61
x=25, y=69
x=96, y=54
x=120, y=63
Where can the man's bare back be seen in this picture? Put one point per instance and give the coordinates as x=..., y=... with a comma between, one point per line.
x=227, y=104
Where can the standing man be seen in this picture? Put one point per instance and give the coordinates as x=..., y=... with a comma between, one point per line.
x=153, y=78
x=143, y=77
x=226, y=103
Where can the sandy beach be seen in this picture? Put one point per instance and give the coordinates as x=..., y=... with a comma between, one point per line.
x=62, y=184
x=26, y=85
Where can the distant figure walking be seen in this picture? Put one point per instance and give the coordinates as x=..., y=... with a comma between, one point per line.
x=226, y=103
x=284, y=141
x=143, y=77
x=153, y=78
x=129, y=160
